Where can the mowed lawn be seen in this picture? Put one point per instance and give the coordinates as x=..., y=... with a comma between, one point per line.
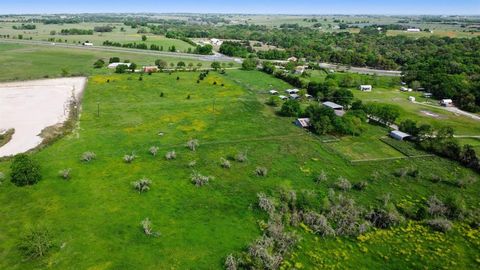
x=95, y=217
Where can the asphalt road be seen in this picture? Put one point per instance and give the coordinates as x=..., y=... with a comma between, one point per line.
x=215, y=57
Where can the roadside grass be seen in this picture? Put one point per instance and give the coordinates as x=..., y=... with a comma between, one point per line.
x=95, y=217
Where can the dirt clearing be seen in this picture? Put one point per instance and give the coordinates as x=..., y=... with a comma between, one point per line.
x=30, y=106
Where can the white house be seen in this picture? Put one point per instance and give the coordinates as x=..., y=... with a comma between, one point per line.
x=87, y=44
x=292, y=91
x=446, y=102
x=411, y=99
x=365, y=88
x=398, y=135
x=114, y=65
x=413, y=30
x=302, y=122
x=273, y=92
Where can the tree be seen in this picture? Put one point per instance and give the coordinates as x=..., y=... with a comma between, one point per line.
x=215, y=65
x=161, y=64
x=343, y=97
x=121, y=69
x=249, y=64
x=114, y=60
x=24, y=171
x=99, y=63
x=181, y=64
x=144, y=38
x=291, y=107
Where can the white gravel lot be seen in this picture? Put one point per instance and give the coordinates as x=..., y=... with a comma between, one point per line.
x=30, y=106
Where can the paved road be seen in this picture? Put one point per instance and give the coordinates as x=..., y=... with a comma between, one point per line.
x=216, y=57
x=362, y=70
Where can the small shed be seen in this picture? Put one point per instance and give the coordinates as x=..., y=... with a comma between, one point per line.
x=282, y=97
x=365, y=88
x=302, y=122
x=333, y=105
x=273, y=92
x=399, y=135
x=446, y=102
x=411, y=99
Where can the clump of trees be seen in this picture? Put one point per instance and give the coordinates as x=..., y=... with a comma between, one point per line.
x=99, y=63
x=24, y=171
x=103, y=29
x=75, y=31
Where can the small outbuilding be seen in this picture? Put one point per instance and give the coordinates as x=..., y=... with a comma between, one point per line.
x=292, y=91
x=300, y=70
x=115, y=65
x=399, y=135
x=282, y=97
x=411, y=99
x=365, y=88
x=332, y=105
x=292, y=59
x=150, y=69
x=302, y=122
x=273, y=92
x=446, y=102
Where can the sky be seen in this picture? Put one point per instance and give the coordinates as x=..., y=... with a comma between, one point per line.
x=402, y=7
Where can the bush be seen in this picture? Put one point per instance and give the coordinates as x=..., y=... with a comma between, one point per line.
x=463, y=183
x=382, y=218
x=230, y=263
x=192, y=163
x=225, y=163
x=88, y=156
x=65, y=173
x=343, y=184
x=148, y=228
x=360, y=185
x=153, y=150
x=35, y=244
x=2, y=177
x=241, y=157
x=261, y=171
x=171, y=155
x=24, y=171
x=436, y=207
x=318, y=223
x=265, y=203
x=198, y=179
x=321, y=178
x=440, y=224
x=142, y=185
x=193, y=144
x=129, y=158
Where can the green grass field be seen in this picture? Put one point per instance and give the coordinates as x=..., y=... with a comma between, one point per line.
x=95, y=217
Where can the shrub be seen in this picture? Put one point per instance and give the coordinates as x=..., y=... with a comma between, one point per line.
x=230, y=263
x=402, y=172
x=241, y=157
x=24, y=171
x=192, y=163
x=198, y=179
x=142, y=185
x=435, y=178
x=456, y=206
x=318, y=223
x=2, y=177
x=440, y=224
x=382, y=218
x=436, y=207
x=171, y=155
x=322, y=177
x=35, y=244
x=343, y=184
x=413, y=172
x=265, y=203
x=65, y=173
x=148, y=228
x=360, y=185
x=153, y=150
x=375, y=176
x=261, y=171
x=88, y=156
x=463, y=183
x=129, y=158
x=225, y=163
x=193, y=144
x=346, y=217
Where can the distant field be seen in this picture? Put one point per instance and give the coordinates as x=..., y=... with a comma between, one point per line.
x=128, y=36
x=24, y=62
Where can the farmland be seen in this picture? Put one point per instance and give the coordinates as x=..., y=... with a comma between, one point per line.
x=97, y=213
